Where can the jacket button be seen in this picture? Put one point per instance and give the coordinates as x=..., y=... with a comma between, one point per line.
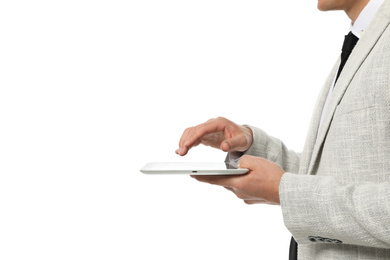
x=324, y=240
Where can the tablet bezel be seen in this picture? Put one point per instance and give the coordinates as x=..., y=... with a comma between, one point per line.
x=192, y=168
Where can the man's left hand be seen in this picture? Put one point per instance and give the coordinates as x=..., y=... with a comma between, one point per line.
x=259, y=185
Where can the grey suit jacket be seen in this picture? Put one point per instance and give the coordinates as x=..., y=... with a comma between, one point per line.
x=335, y=196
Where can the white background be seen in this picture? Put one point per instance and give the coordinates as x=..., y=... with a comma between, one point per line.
x=90, y=91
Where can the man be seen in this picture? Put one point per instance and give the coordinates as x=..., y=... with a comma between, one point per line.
x=335, y=195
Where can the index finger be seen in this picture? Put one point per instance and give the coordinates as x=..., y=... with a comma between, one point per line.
x=199, y=131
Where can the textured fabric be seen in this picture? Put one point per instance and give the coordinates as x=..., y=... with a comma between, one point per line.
x=350, y=41
x=335, y=195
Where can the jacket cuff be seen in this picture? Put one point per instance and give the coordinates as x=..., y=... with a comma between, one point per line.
x=260, y=146
x=301, y=199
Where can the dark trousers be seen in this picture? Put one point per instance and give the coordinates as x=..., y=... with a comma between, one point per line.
x=293, y=250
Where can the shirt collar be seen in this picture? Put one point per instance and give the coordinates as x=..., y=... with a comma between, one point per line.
x=365, y=17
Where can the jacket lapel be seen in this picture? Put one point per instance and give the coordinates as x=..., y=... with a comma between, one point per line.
x=315, y=122
x=357, y=57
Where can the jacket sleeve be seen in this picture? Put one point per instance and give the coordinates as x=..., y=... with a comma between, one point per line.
x=356, y=214
x=274, y=150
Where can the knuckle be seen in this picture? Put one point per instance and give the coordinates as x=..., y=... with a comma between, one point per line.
x=220, y=118
x=188, y=129
x=201, y=129
x=244, y=157
x=185, y=132
x=243, y=160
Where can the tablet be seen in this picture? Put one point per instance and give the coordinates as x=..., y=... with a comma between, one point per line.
x=192, y=168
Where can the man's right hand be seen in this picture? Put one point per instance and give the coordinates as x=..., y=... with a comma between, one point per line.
x=219, y=133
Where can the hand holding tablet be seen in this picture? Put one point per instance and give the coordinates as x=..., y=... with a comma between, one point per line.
x=260, y=185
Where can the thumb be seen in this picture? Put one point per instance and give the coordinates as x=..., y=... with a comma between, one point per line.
x=237, y=143
x=248, y=162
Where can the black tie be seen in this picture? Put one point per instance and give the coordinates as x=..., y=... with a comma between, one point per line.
x=349, y=43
